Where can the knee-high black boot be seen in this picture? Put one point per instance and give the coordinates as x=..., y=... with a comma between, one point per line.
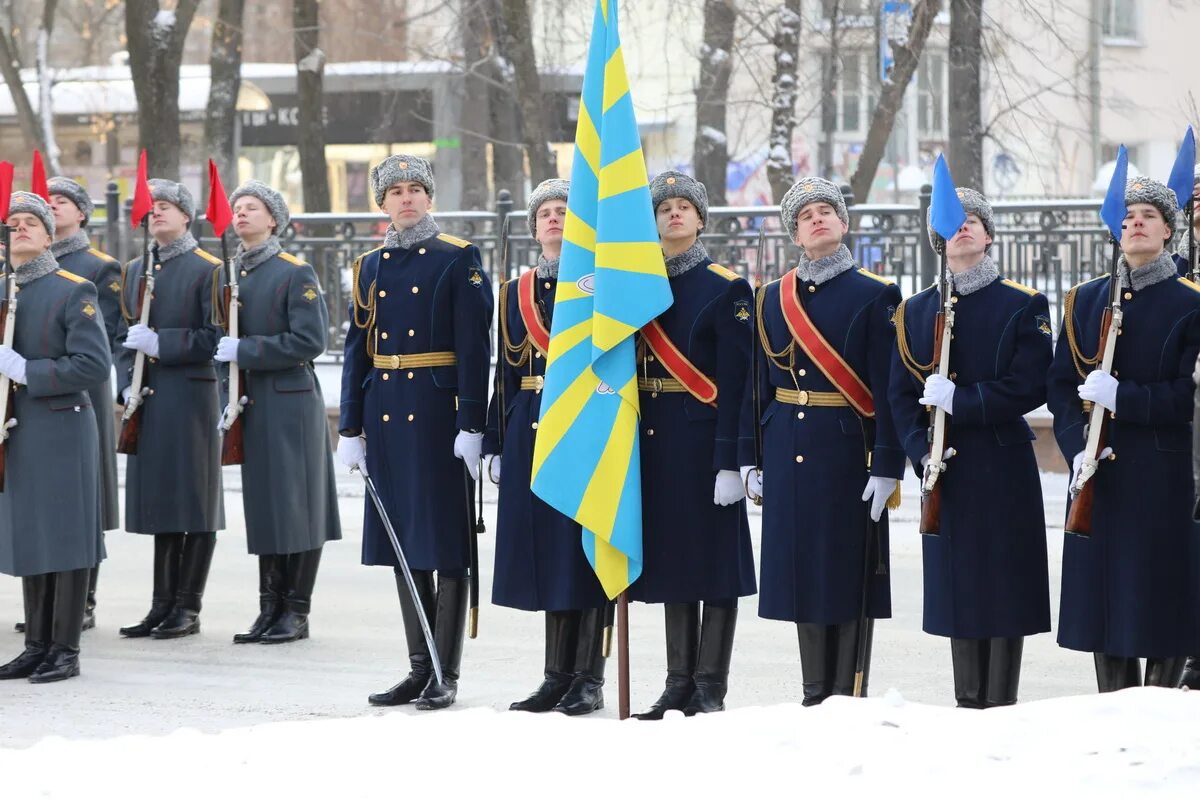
x=70, y=599
x=586, y=693
x=292, y=624
x=1165, y=672
x=845, y=666
x=184, y=619
x=712, y=665
x=89, y=611
x=168, y=550
x=1114, y=673
x=562, y=634
x=970, y=661
x=39, y=606
x=683, y=644
x=815, y=661
x=448, y=633
x=271, y=588
x=420, y=666
x=1003, y=671
x=1191, y=673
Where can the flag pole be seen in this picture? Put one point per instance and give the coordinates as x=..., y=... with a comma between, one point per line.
x=623, y=655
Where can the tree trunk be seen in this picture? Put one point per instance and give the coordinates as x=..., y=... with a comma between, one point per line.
x=783, y=99
x=907, y=56
x=965, y=135
x=508, y=152
x=518, y=50
x=155, y=39
x=710, y=153
x=475, y=121
x=45, y=101
x=10, y=70
x=225, y=70
x=310, y=91
x=830, y=71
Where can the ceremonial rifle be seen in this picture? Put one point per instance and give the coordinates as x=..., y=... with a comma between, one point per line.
x=943, y=329
x=8, y=314
x=755, y=390
x=131, y=419
x=219, y=215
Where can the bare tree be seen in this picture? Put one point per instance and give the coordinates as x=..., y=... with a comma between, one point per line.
x=508, y=152
x=831, y=69
x=783, y=98
x=225, y=80
x=475, y=120
x=310, y=91
x=965, y=156
x=155, y=37
x=45, y=102
x=710, y=153
x=908, y=56
x=10, y=69
x=517, y=46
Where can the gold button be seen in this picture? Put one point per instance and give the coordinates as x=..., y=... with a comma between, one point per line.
x=649, y=358
x=158, y=266
x=1114, y=373
x=1129, y=295
x=953, y=300
x=799, y=459
x=411, y=332
x=421, y=251
x=1112, y=456
x=953, y=376
x=802, y=372
x=387, y=255
x=1112, y=415
x=416, y=289
x=812, y=288
x=537, y=355
x=386, y=418
x=383, y=335
x=546, y=284
x=410, y=376
x=650, y=432
x=382, y=293
x=800, y=415
x=385, y=376
x=534, y=426
x=244, y=273
x=410, y=417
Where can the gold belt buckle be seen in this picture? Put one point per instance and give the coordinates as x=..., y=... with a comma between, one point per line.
x=538, y=382
x=394, y=362
x=803, y=397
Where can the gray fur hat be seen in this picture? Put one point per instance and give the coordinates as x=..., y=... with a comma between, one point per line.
x=973, y=202
x=401, y=167
x=552, y=189
x=670, y=183
x=29, y=203
x=270, y=198
x=806, y=191
x=74, y=192
x=1147, y=190
x=174, y=193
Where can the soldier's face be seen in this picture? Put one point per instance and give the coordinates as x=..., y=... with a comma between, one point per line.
x=971, y=240
x=549, y=220
x=251, y=220
x=406, y=203
x=67, y=216
x=818, y=229
x=1144, y=232
x=167, y=222
x=29, y=237
x=677, y=220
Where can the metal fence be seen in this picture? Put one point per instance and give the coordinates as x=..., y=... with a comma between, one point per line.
x=1050, y=245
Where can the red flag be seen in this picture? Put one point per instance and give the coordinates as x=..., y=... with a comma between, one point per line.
x=219, y=214
x=6, y=182
x=37, y=183
x=142, y=201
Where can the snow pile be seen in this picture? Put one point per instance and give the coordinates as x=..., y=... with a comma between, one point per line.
x=1137, y=743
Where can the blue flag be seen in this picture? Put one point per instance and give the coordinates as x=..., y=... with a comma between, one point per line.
x=1183, y=174
x=1113, y=211
x=946, y=213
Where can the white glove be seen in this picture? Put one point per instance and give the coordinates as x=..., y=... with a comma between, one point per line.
x=1105, y=453
x=352, y=452
x=1101, y=388
x=227, y=349
x=142, y=338
x=125, y=393
x=877, y=491
x=939, y=392
x=752, y=482
x=494, y=469
x=728, y=488
x=947, y=454
x=468, y=446
x=12, y=364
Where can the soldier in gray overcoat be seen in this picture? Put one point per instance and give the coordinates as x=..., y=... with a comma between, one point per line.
x=50, y=528
x=288, y=488
x=173, y=483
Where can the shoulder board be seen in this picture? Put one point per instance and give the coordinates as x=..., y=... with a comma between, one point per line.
x=1189, y=284
x=71, y=276
x=1020, y=287
x=291, y=259
x=100, y=254
x=873, y=276
x=207, y=256
x=364, y=255
x=454, y=240
x=727, y=274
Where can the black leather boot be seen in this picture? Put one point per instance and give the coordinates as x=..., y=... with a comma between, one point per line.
x=292, y=624
x=448, y=633
x=816, y=659
x=712, y=665
x=420, y=665
x=168, y=548
x=586, y=693
x=844, y=645
x=970, y=660
x=1003, y=671
x=271, y=588
x=38, y=594
x=683, y=645
x=184, y=619
x=1191, y=674
x=70, y=600
x=1114, y=673
x=89, y=611
x=562, y=634
x=1165, y=672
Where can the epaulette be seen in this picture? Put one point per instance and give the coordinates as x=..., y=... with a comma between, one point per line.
x=207, y=256
x=291, y=259
x=1194, y=287
x=872, y=275
x=1020, y=287
x=100, y=254
x=71, y=276
x=727, y=274
x=454, y=240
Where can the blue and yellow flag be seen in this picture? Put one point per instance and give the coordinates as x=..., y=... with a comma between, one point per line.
x=611, y=282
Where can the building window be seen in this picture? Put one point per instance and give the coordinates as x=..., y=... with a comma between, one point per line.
x=931, y=95
x=1120, y=20
x=855, y=93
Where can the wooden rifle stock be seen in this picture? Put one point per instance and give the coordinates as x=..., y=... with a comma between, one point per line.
x=1079, y=517
x=931, y=500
